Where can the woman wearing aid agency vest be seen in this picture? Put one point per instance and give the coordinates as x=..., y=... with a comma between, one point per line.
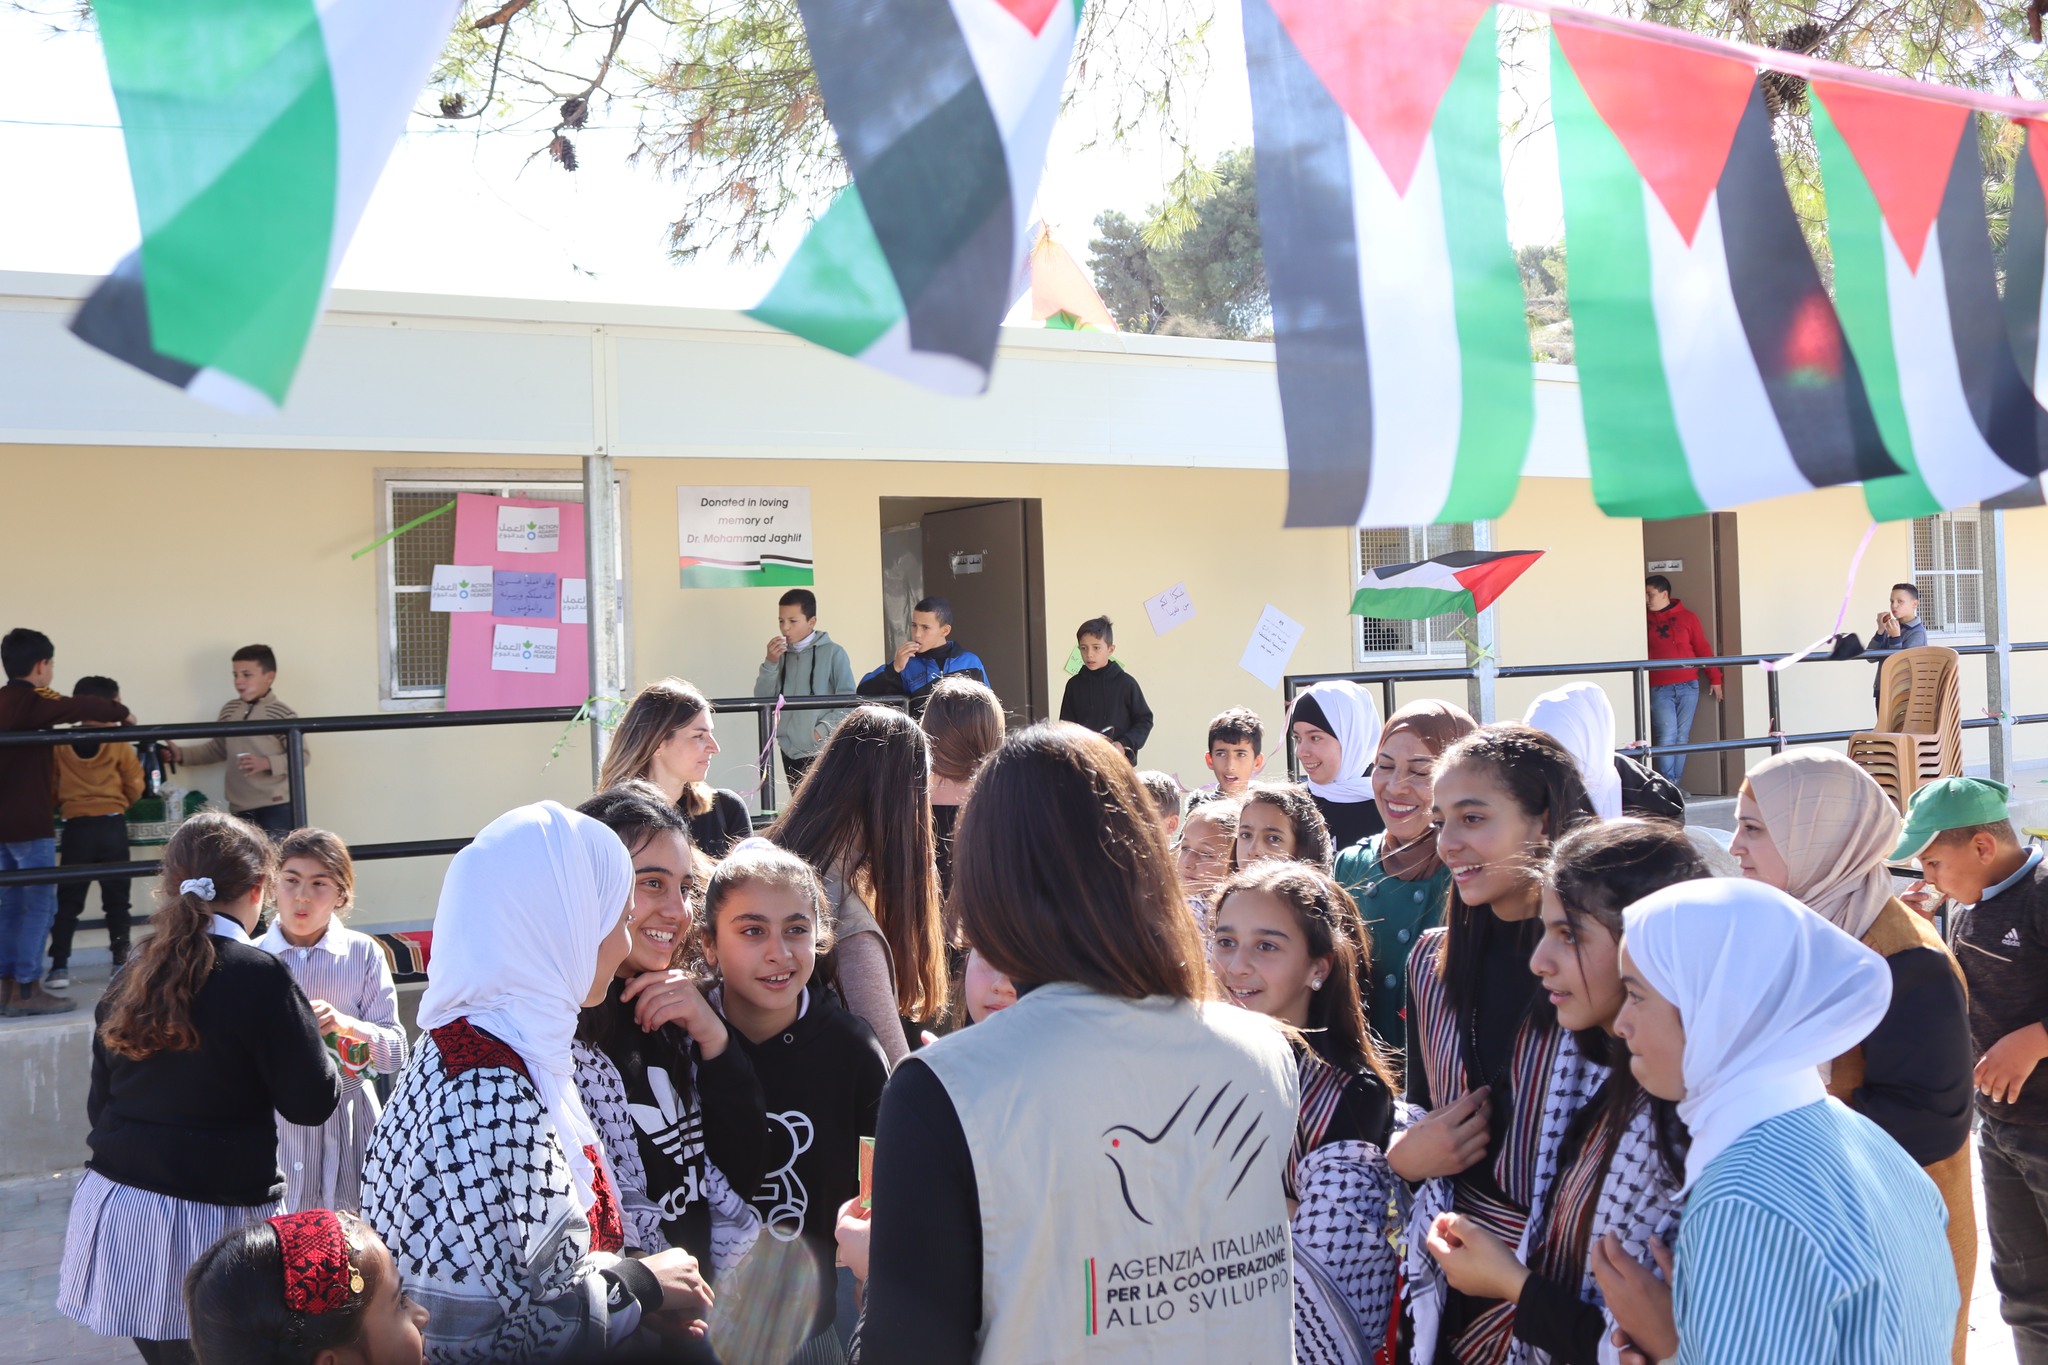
x=1161, y=1116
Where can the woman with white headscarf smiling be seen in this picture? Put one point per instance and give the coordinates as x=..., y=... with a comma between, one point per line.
x=1813, y=824
x=1336, y=730
x=485, y=1175
x=1808, y=1236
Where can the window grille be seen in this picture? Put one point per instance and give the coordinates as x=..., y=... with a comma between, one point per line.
x=1436, y=636
x=1949, y=572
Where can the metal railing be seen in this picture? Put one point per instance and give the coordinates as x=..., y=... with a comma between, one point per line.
x=1775, y=738
x=295, y=729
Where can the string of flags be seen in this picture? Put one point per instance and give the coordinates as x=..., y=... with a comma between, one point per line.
x=1716, y=366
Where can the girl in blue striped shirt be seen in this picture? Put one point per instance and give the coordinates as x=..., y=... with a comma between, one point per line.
x=1809, y=1236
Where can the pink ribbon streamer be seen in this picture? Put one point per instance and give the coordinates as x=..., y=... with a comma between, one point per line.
x=1848, y=593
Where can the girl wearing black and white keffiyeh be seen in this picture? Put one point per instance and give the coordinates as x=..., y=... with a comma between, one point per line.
x=486, y=1176
x=1610, y=1158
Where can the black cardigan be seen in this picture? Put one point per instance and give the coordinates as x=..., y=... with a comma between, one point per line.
x=1109, y=701
x=715, y=831
x=202, y=1125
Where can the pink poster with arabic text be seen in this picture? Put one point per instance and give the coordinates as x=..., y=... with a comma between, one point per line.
x=550, y=538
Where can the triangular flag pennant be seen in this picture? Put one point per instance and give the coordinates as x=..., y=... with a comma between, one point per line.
x=944, y=109
x=1712, y=368
x=255, y=133
x=1917, y=291
x=1463, y=580
x=1405, y=382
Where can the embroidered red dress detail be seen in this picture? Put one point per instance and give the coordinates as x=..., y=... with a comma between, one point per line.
x=316, y=1265
x=465, y=1047
x=607, y=1228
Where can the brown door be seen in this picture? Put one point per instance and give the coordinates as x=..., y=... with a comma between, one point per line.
x=979, y=559
x=1698, y=555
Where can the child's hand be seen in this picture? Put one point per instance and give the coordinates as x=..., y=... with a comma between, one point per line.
x=1474, y=1260
x=903, y=653
x=1447, y=1141
x=2004, y=1068
x=1921, y=899
x=676, y=997
x=685, y=1297
x=325, y=1016
x=253, y=763
x=851, y=1232
x=777, y=647
x=1638, y=1299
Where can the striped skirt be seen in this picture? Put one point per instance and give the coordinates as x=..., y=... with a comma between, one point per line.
x=126, y=1252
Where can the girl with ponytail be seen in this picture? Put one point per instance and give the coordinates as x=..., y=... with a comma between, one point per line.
x=202, y=1040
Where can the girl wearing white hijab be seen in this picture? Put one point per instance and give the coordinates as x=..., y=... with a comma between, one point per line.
x=1808, y=1236
x=485, y=1175
x=1336, y=732
x=1814, y=825
x=1580, y=717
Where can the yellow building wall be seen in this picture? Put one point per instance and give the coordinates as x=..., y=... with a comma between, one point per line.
x=186, y=554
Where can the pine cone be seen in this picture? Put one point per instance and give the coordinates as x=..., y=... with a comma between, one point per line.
x=564, y=151
x=453, y=103
x=1784, y=93
x=575, y=112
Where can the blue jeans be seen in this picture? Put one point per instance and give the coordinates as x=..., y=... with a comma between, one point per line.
x=1671, y=710
x=26, y=911
x=2014, y=1157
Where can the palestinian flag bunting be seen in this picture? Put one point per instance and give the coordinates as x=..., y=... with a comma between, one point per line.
x=1917, y=291
x=2026, y=261
x=255, y=132
x=1463, y=580
x=944, y=109
x=1405, y=382
x=1712, y=368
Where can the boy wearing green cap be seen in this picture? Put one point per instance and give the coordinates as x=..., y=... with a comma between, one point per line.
x=1960, y=831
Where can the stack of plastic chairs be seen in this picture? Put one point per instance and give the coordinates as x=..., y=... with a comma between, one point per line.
x=1919, y=735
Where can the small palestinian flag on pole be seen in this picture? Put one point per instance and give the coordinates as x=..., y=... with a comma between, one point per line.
x=1463, y=580
x=1712, y=368
x=255, y=132
x=943, y=109
x=1406, y=387
x=1917, y=291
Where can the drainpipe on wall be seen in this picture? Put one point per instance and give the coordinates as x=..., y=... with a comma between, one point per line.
x=1998, y=695
x=601, y=555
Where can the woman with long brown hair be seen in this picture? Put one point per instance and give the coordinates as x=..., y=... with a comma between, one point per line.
x=863, y=820
x=1399, y=882
x=963, y=722
x=665, y=738
x=1483, y=1038
x=1161, y=1116
x=202, y=1041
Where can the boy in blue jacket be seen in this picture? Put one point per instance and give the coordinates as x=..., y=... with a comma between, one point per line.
x=927, y=656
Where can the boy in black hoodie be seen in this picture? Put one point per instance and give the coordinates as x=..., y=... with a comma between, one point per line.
x=1104, y=698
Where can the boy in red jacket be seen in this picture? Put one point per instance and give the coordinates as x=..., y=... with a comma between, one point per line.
x=1675, y=633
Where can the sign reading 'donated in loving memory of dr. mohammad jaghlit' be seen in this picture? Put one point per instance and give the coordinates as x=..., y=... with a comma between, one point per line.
x=744, y=537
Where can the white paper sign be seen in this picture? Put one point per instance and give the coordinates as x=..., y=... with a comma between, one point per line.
x=523, y=649
x=1171, y=608
x=529, y=531
x=460, y=587
x=575, y=601
x=1271, y=646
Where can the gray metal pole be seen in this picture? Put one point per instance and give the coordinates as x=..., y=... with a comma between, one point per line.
x=1479, y=699
x=601, y=554
x=1998, y=695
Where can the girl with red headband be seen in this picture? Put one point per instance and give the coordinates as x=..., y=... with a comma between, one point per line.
x=340, y=1293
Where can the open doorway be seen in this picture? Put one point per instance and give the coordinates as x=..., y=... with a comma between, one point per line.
x=1698, y=555
x=986, y=556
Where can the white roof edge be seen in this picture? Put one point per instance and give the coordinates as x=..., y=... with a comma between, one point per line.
x=50, y=287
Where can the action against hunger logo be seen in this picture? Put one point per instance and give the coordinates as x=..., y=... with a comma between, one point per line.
x=1129, y=1144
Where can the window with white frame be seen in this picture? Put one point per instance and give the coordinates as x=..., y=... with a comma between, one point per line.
x=1948, y=570
x=413, y=648
x=1437, y=636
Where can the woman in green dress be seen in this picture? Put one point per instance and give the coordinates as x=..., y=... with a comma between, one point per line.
x=1395, y=876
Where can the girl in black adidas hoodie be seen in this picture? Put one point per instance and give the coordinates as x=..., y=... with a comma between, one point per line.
x=820, y=1068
